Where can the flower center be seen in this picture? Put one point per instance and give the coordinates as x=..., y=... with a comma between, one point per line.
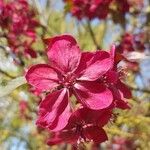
x=79, y=130
x=122, y=73
x=68, y=80
x=112, y=78
x=104, y=79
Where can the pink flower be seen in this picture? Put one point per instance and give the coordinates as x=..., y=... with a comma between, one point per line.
x=100, y=9
x=123, y=6
x=119, y=90
x=23, y=106
x=70, y=72
x=19, y=26
x=89, y=8
x=112, y=79
x=84, y=125
x=126, y=43
x=129, y=43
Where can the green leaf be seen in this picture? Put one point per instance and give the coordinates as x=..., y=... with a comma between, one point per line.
x=7, y=87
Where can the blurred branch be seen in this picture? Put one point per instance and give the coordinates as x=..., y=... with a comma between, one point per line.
x=92, y=34
x=48, y=4
x=7, y=87
x=6, y=74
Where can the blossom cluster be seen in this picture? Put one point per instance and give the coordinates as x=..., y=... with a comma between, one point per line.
x=89, y=8
x=131, y=43
x=99, y=8
x=23, y=110
x=18, y=22
x=81, y=91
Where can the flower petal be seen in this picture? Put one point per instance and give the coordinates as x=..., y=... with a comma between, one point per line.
x=67, y=136
x=93, y=95
x=63, y=53
x=119, y=99
x=122, y=104
x=89, y=116
x=112, y=76
x=96, y=134
x=124, y=90
x=116, y=57
x=113, y=52
x=55, y=139
x=42, y=77
x=86, y=58
x=54, y=111
x=104, y=117
x=99, y=65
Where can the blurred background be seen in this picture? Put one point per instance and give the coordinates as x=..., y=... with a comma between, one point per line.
x=23, y=26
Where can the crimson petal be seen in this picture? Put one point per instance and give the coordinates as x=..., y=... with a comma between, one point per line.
x=63, y=53
x=67, y=136
x=119, y=99
x=86, y=58
x=124, y=90
x=93, y=95
x=99, y=65
x=42, y=77
x=122, y=104
x=54, y=111
x=89, y=116
x=96, y=134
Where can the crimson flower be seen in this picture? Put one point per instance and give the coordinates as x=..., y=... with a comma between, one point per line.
x=100, y=9
x=119, y=90
x=129, y=43
x=112, y=79
x=84, y=125
x=23, y=106
x=123, y=6
x=89, y=8
x=69, y=72
x=19, y=26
